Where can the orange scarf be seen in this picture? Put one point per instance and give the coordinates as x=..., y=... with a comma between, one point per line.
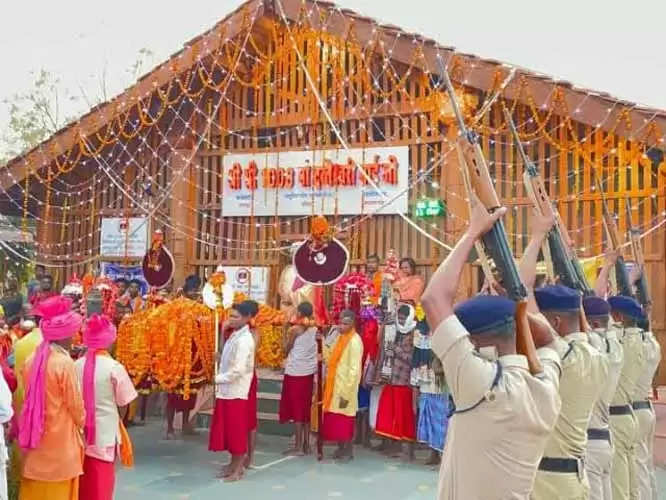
x=377, y=279
x=336, y=355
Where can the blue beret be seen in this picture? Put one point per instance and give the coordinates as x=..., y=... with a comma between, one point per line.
x=596, y=306
x=626, y=305
x=557, y=298
x=486, y=312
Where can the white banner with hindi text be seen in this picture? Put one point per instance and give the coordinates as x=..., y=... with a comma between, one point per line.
x=291, y=182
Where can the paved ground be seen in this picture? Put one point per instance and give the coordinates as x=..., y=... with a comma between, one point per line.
x=185, y=470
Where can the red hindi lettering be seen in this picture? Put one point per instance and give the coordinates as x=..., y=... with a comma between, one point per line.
x=235, y=173
x=251, y=175
x=390, y=171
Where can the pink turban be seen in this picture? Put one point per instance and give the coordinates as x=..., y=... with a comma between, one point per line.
x=58, y=322
x=98, y=333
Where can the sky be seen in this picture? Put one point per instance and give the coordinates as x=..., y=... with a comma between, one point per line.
x=608, y=45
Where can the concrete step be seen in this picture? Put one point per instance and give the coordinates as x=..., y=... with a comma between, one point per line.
x=269, y=389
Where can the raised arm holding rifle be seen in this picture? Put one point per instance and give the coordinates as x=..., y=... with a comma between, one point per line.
x=645, y=415
x=503, y=413
x=621, y=275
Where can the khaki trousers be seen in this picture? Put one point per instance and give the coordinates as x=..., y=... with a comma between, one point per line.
x=624, y=431
x=644, y=465
x=598, y=462
x=560, y=486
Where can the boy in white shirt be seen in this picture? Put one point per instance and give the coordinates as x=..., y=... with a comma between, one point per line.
x=229, y=429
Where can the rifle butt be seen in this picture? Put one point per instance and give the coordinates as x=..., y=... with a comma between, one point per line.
x=524, y=340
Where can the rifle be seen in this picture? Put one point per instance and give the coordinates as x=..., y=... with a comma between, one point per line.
x=621, y=276
x=495, y=241
x=642, y=292
x=559, y=247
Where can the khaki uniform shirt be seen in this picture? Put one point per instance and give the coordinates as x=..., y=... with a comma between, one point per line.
x=652, y=352
x=606, y=343
x=633, y=366
x=584, y=370
x=496, y=438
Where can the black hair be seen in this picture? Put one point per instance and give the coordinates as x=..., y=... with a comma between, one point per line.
x=305, y=309
x=192, y=282
x=135, y=282
x=410, y=261
x=244, y=309
x=404, y=309
x=252, y=306
x=643, y=324
x=121, y=280
x=348, y=313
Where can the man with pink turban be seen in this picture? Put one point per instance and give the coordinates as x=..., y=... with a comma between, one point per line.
x=52, y=416
x=106, y=386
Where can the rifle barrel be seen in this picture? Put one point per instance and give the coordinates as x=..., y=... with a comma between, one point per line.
x=454, y=100
x=529, y=166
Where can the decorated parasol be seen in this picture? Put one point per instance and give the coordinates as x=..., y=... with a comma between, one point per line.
x=320, y=260
x=158, y=263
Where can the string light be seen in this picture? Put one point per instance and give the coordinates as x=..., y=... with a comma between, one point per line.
x=387, y=70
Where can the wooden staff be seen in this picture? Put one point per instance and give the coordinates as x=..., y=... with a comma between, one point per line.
x=320, y=396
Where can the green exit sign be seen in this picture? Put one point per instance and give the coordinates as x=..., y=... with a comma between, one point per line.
x=429, y=207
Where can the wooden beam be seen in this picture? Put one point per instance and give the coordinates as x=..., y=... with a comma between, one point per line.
x=102, y=114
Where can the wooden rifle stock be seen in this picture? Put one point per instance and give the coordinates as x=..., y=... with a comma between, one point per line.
x=642, y=292
x=495, y=241
x=621, y=275
x=524, y=340
x=560, y=253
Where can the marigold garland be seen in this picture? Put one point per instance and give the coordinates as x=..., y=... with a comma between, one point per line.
x=171, y=344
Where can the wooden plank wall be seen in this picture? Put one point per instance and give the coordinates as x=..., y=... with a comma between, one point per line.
x=250, y=119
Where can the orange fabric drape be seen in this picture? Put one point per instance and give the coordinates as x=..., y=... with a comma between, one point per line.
x=336, y=355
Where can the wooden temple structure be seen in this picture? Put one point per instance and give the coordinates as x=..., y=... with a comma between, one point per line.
x=300, y=75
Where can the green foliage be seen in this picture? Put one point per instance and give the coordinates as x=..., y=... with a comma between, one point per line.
x=37, y=113
x=34, y=115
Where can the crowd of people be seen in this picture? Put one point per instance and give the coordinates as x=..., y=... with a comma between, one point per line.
x=570, y=420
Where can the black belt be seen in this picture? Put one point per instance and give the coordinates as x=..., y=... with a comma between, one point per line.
x=598, y=434
x=620, y=410
x=568, y=465
x=641, y=405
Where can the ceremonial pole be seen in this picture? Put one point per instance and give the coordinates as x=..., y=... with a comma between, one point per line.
x=320, y=395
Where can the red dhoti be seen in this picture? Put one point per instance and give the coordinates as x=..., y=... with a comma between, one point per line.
x=337, y=427
x=395, y=416
x=252, y=405
x=296, y=398
x=98, y=479
x=179, y=403
x=228, y=431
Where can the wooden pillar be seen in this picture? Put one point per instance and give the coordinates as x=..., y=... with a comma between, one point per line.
x=179, y=216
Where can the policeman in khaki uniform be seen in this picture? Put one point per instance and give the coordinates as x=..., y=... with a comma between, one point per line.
x=503, y=414
x=599, y=457
x=561, y=474
x=644, y=470
x=624, y=427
